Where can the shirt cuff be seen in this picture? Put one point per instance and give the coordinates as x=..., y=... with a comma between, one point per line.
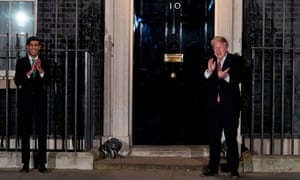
x=227, y=78
x=42, y=74
x=207, y=74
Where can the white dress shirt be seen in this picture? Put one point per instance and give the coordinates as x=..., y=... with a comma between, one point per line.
x=207, y=74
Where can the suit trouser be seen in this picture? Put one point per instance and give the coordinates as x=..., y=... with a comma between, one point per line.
x=40, y=122
x=224, y=118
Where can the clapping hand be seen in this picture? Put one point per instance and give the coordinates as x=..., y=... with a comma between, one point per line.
x=38, y=66
x=211, y=65
x=223, y=74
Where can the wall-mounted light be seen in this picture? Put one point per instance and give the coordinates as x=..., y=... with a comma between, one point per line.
x=21, y=19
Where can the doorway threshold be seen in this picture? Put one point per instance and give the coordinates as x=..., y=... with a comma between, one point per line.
x=169, y=151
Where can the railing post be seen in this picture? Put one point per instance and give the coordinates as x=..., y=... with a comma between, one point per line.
x=87, y=103
x=66, y=98
x=252, y=101
x=6, y=96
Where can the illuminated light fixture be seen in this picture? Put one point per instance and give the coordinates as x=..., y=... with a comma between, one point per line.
x=21, y=19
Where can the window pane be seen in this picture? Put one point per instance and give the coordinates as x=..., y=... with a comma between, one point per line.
x=19, y=50
x=17, y=19
x=23, y=17
x=3, y=52
x=4, y=17
x=8, y=56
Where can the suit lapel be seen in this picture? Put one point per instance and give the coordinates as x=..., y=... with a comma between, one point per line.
x=27, y=64
x=227, y=62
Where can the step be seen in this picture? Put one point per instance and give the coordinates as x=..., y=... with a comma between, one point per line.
x=159, y=157
x=170, y=151
x=152, y=163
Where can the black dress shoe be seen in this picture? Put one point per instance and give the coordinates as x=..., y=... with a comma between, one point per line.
x=25, y=168
x=43, y=168
x=235, y=174
x=210, y=173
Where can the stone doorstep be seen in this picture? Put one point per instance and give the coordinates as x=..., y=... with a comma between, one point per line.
x=175, y=163
x=170, y=151
x=152, y=163
x=158, y=157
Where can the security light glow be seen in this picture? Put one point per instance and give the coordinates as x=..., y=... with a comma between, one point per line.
x=21, y=19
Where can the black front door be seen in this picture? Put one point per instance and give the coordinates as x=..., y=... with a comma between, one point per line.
x=171, y=39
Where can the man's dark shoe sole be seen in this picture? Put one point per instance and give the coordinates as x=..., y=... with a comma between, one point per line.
x=25, y=170
x=210, y=173
x=43, y=169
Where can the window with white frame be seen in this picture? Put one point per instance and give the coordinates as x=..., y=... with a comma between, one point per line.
x=17, y=22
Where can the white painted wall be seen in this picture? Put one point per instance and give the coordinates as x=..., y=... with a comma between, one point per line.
x=118, y=42
x=228, y=22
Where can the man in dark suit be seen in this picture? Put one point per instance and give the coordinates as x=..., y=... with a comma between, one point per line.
x=223, y=74
x=31, y=77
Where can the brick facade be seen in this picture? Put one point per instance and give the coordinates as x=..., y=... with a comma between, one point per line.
x=271, y=44
x=57, y=28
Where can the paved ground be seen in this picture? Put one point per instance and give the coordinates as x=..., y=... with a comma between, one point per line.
x=127, y=174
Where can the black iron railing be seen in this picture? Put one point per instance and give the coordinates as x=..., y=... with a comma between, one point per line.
x=72, y=113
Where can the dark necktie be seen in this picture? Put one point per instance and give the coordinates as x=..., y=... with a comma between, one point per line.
x=33, y=74
x=219, y=69
x=219, y=65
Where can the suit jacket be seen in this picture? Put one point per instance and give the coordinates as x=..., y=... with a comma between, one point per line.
x=32, y=90
x=229, y=92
